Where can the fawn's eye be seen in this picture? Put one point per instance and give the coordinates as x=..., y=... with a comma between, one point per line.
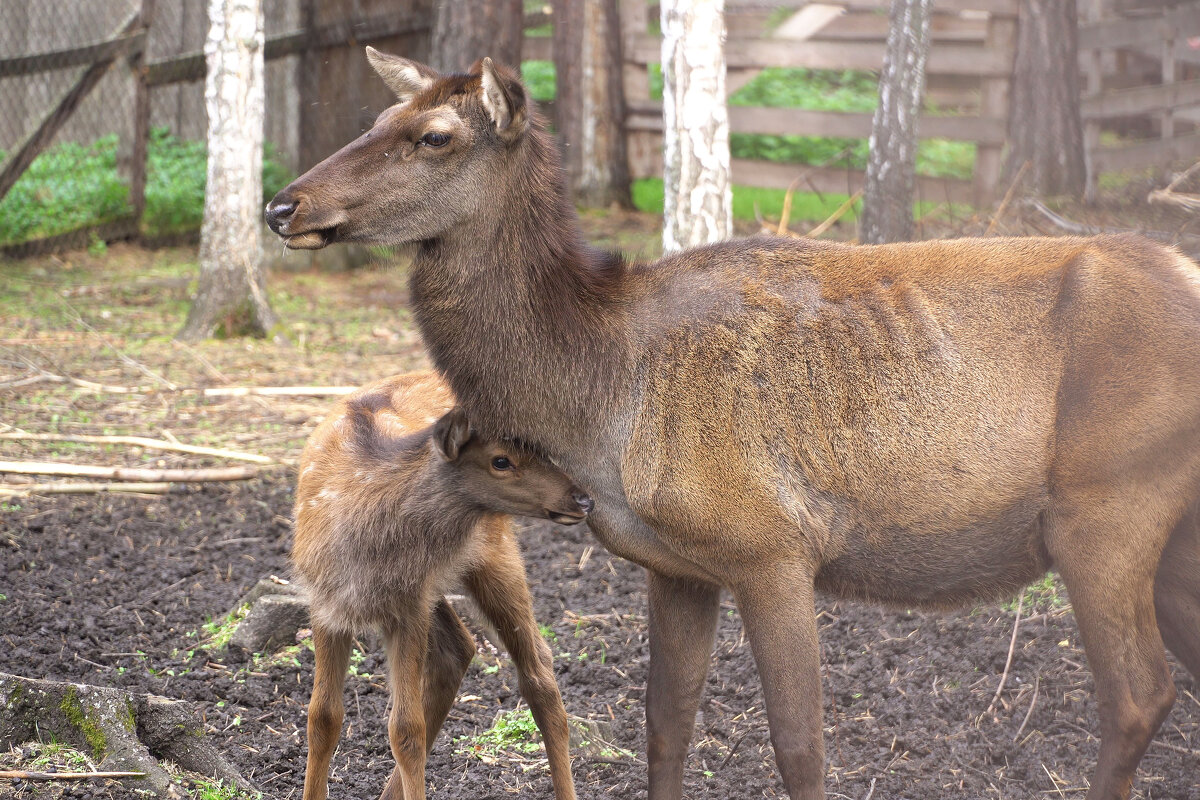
x=501, y=463
x=435, y=139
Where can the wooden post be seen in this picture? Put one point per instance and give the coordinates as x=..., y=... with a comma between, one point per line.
x=1167, y=120
x=309, y=82
x=643, y=149
x=1001, y=37
x=1093, y=70
x=141, y=118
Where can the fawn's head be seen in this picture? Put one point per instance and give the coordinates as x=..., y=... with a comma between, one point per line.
x=502, y=476
x=428, y=164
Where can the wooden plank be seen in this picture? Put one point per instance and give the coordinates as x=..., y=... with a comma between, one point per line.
x=1141, y=100
x=537, y=48
x=993, y=103
x=871, y=26
x=1006, y=8
x=109, y=50
x=647, y=115
x=957, y=59
x=771, y=175
x=1155, y=152
x=58, y=116
x=1138, y=31
x=190, y=66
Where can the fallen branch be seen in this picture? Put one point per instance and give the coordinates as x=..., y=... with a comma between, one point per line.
x=1012, y=644
x=1190, y=244
x=1168, y=195
x=26, y=489
x=129, y=473
x=139, y=441
x=1012, y=188
x=220, y=391
x=1037, y=684
x=835, y=216
x=22, y=775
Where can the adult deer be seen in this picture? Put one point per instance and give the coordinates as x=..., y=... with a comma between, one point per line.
x=922, y=424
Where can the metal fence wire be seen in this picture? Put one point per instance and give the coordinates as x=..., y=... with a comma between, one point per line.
x=107, y=89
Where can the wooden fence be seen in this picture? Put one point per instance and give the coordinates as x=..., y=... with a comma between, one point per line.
x=320, y=90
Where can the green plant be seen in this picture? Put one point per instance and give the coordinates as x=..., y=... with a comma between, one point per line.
x=218, y=632
x=211, y=789
x=540, y=79
x=512, y=731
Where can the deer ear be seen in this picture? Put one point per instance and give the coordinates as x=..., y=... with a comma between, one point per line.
x=451, y=432
x=405, y=78
x=504, y=99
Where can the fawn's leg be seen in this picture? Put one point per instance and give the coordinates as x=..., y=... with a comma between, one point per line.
x=450, y=650
x=405, y=645
x=500, y=589
x=325, y=709
x=683, y=623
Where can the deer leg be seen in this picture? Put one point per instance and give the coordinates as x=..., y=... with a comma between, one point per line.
x=325, y=709
x=406, y=722
x=449, y=653
x=683, y=623
x=781, y=625
x=502, y=593
x=1109, y=573
x=1177, y=593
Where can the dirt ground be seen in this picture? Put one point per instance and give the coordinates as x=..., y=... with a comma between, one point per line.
x=116, y=590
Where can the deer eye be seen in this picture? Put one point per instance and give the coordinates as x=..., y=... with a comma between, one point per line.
x=435, y=139
x=501, y=463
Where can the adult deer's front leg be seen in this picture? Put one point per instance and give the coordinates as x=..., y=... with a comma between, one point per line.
x=683, y=621
x=777, y=609
x=325, y=709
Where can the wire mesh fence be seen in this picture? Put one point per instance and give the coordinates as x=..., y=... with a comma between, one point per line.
x=101, y=97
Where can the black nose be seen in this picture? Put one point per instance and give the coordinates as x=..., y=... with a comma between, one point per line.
x=278, y=213
x=585, y=503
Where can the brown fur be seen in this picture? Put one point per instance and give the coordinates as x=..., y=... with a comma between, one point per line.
x=922, y=423
x=390, y=512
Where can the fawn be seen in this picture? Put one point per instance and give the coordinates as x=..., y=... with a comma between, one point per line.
x=391, y=511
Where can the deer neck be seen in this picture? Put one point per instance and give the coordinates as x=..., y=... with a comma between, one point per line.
x=523, y=317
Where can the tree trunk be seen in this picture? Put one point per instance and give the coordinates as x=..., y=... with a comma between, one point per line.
x=590, y=101
x=892, y=162
x=232, y=297
x=1045, y=126
x=122, y=731
x=697, y=196
x=465, y=32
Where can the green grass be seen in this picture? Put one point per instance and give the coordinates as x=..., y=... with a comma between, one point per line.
x=72, y=186
x=513, y=731
x=648, y=197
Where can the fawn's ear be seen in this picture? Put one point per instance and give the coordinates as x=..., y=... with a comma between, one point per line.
x=505, y=100
x=404, y=77
x=451, y=432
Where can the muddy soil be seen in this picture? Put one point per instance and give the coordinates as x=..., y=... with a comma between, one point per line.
x=115, y=590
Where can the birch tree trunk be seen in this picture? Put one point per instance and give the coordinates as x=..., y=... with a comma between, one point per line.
x=697, y=197
x=1045, y=126
x=232, y=297
x=464, y=32
x=590, y=102
x=892, y=161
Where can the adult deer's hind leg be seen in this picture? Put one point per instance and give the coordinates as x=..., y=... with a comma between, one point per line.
x=502, y=593
x=1177, y=592
x=1107, y=554
x=325, y=709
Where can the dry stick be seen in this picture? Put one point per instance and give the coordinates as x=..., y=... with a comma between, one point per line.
x=223, y=391
x=22, y=775
x=128, y=473
x=126, y=359
x=870, y=791
x=786, y=213
x=1012, y=644
x=842, y=209
x=1037, y=682
x=21, y=490
x=1012, y=188
x=139, y=441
